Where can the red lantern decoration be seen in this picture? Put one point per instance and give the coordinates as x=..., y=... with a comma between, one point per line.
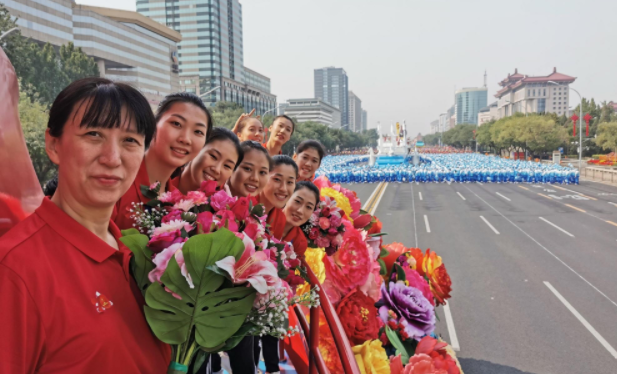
x=574, y=118
x=587, y=118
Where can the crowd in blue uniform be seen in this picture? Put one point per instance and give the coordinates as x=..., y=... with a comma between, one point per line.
x=446, y=168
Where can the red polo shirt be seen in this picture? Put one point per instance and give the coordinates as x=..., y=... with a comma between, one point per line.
x=121, y=215
x=69, y=304
x=265, y=145
x=297, y=238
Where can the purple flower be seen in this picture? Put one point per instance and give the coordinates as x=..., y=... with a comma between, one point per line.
x=415, y=312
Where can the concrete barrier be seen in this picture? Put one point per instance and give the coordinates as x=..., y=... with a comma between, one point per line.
x=601, y=174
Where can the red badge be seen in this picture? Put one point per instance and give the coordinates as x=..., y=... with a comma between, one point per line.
x=102, y=303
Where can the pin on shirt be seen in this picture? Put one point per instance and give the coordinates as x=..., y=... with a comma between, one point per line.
x=101, y=302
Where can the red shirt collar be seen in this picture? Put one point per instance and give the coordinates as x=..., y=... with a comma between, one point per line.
x=71, y=230
x=265, y=145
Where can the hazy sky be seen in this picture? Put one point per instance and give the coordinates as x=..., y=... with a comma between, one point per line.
x=404, y=58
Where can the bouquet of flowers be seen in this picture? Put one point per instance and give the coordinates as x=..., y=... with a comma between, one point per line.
x=325, y=228
x=209, y=271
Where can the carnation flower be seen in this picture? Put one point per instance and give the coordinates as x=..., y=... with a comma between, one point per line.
x=174, y=225
x=171, y=197
x=184, y=205
x=197, y=197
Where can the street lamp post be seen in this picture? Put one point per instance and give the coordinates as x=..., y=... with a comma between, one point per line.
x=580, y=143
x=209, y=92
x=270, y=110
x=5, y=34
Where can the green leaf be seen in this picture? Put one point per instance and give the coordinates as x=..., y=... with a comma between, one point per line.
x=141, y=262
x=216, y=313
x=147, y=192
x=200, y=359
x=398, y=344
x=400, y=273
x=384, y=252
x=377, y=234
x=233, y=341
x=382, y=267
x=362, y=211
x=131, y=231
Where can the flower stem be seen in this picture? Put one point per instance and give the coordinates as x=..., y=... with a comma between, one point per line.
x=187, y=358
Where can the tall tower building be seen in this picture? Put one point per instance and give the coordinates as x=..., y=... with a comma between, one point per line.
x=468, y=102
x=331, y=86
x=355, y=113
x=212, y=49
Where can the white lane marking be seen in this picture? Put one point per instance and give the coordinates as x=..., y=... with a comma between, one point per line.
x=612, y=203
x=413, y=206
x=489, y=225
x=582, y=319
x=428, y=227
x=557, y=227
x=546, y=249
x=462, y=197
x=371, y=197
x=383, y=192
x=451, y=331
x=420, y=194
x=480, y=183
x=503, y=196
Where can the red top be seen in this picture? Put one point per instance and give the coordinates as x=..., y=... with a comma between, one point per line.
x=297, y=238
x=310, y=179
x=69, y=302
x=277, y=220
x=265, y=145
x=121, y=215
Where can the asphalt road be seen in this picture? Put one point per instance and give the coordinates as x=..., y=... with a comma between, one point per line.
x=533, y=267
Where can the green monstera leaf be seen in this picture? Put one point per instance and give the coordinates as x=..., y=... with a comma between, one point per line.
x=141, y=262
x=213, y=309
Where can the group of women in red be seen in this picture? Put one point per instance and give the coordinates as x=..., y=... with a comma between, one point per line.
x=57, y=263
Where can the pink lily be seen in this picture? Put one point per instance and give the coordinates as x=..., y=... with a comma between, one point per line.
x=253, y=267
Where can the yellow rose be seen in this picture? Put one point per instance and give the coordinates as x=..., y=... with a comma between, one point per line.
x=372, y=358
x=313, y=258
x=341, y=200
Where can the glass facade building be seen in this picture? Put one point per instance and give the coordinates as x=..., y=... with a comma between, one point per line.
x=468, y=103
x=332, y=86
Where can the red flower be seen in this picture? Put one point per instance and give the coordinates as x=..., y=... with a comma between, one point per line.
x=205, y=219
x=351, y=265
x=362, y=221
x=164, y=240
x=441, y=284
x=358, y=316
x=241, y=208
x=314, y=233
x=208, y=187
x=172, y=216
x=437, y=351
x=325, y=212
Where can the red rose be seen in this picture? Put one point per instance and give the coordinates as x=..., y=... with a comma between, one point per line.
x=358, y=316
x=324, y=223
x=441, y=284
x=164, y=240
x=241, y=208
x=208, y=187
x=325, y=212
x=205, y=219
x=362, y=221
x=314, y=233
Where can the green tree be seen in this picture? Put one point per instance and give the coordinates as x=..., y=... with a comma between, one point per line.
x=75, y=64
x=33, y=116
x=483, y=135
x=432, y=139
x=607, y=136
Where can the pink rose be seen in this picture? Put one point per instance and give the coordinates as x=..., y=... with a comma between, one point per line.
x=208, y=187
x=220, y=200
x=335, y=220
x=172, y=216
x=324, y=223
x=205, y=219
x=325, y=211
x=227, y=219
x=165, y=240
x=241, y=208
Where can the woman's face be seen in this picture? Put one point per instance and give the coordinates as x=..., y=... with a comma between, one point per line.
x=300, y=207
x=251, y=176
x=96, y=165
x=215, y=162
x=180, y=134
x=280, y=185
x=280, y=130
x=308, y=162
x=253, y=130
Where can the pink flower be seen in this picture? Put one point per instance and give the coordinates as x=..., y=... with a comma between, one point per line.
x=241, y=208
x=197, y=197
x=208, y=187
x=322, y=242
x=171, y=197
x=154, y=185
x=338, y=240
x=351, y=265
x=184, y=205
x=332, y=231
x=220, y=200
x=253, y=267
x=162, y=259
x=205, y=219
x=164, y=240
x=174, y=215
x=322, y=182
x=335, y=219
x=324, y=223
x=227, y=219
x=417, y=281
x=171, y=226
x=252, y=230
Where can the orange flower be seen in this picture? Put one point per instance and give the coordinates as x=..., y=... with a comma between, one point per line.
x=439, y=280
x=394, y=251
x=422, y=364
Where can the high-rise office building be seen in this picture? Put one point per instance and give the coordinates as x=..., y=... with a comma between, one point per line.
x=332, y=85
x=127, y=46
x=315, y=110
x=212, y=48
x=355, y=113
x=468, y=102
x=364, y=120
